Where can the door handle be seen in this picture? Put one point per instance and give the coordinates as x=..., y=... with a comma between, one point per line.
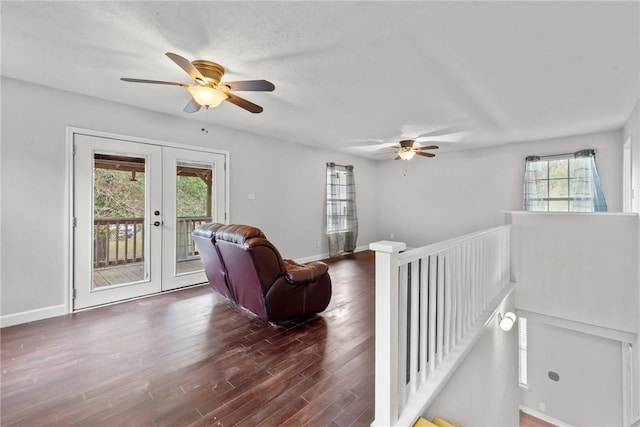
x=157, y=223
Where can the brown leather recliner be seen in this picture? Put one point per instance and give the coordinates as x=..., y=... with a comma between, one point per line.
x=214, y=268
x=244, y=266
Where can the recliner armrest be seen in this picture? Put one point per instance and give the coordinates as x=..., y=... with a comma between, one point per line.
x=304, y=273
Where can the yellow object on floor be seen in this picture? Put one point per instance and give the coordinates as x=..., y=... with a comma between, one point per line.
x=423, y=423
x=442, y=422
x=435, y=422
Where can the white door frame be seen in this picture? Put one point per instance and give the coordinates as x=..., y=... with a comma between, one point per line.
x=69, y=191
x=149, y=281
x=627, y=174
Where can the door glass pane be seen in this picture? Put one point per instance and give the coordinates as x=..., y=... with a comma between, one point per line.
x=118, y=220
x=194, y=199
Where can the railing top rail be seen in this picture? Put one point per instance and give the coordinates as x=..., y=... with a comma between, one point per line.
x=195, y=217
x=113, y=220
x=434, y=248
x=141, y=219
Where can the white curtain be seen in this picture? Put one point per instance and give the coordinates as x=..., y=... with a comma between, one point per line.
x=342, y=219
x=535, y=188
x=588, y=191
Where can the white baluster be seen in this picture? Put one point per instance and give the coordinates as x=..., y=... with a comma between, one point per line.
x=414, y=322
x=433, y=283
x=424, y=317
x=440, y=309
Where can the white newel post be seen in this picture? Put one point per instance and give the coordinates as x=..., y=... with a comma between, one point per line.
x=386, y=332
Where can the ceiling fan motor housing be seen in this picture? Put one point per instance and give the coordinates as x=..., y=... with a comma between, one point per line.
x=210, y=70
x=407, y=143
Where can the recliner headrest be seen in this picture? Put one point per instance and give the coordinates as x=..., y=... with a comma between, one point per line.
x=238, y=233
x=208, y=231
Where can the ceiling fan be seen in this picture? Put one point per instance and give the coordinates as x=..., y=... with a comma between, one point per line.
x=209, y=91
x=405, y=150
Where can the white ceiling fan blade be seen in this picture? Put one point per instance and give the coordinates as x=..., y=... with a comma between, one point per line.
x=443, y=131
x=156, y=82
x=192, y=106
x=187, y=66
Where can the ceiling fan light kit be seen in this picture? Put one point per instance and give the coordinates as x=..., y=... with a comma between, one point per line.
x=406, y=155
x=207, y=96
x=209, y=91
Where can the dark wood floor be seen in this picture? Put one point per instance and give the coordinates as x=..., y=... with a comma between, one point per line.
x=527, y=420
x=191, y=358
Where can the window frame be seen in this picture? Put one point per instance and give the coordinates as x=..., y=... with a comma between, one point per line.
x=569, y=199
x=341, y=203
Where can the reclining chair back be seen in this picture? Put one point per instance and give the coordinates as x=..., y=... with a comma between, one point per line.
x=214, y=268
x=252, y=264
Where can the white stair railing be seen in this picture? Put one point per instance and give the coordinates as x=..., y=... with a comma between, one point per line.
x=431, y=305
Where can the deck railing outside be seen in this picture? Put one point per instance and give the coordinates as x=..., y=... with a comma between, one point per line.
x=429, y=302
x=185, y=247
x=117, y=241
x=121, y=240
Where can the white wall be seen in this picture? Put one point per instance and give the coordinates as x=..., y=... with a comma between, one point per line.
x=577, y=266
x=288, y=180
x=464, y=191
x=589, y=390
x=632, y=130
x=579, y=271
x=484, y=389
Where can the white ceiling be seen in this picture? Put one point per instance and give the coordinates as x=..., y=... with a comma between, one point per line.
x=350, y=75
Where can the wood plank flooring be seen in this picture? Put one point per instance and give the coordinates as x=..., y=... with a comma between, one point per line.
x=527, y=420
x=192, y=358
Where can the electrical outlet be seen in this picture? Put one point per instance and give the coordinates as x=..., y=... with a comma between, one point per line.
x=392, y=236
x=542, y=407
x=318, y=244
x=251, y=196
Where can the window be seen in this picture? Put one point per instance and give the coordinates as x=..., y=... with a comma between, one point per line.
x=522, y=344
x=342, y=221
x=337, y=199
x=563, y=183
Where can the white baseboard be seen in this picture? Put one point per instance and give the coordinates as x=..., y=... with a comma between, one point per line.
x=326, y=255
x=544, y=417
x=311, y=258
x=32, y=315
x=362, y=248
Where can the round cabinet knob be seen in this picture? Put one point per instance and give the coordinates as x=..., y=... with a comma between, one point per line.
x=157, y=223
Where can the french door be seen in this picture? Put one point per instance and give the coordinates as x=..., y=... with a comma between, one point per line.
x=135, y=206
